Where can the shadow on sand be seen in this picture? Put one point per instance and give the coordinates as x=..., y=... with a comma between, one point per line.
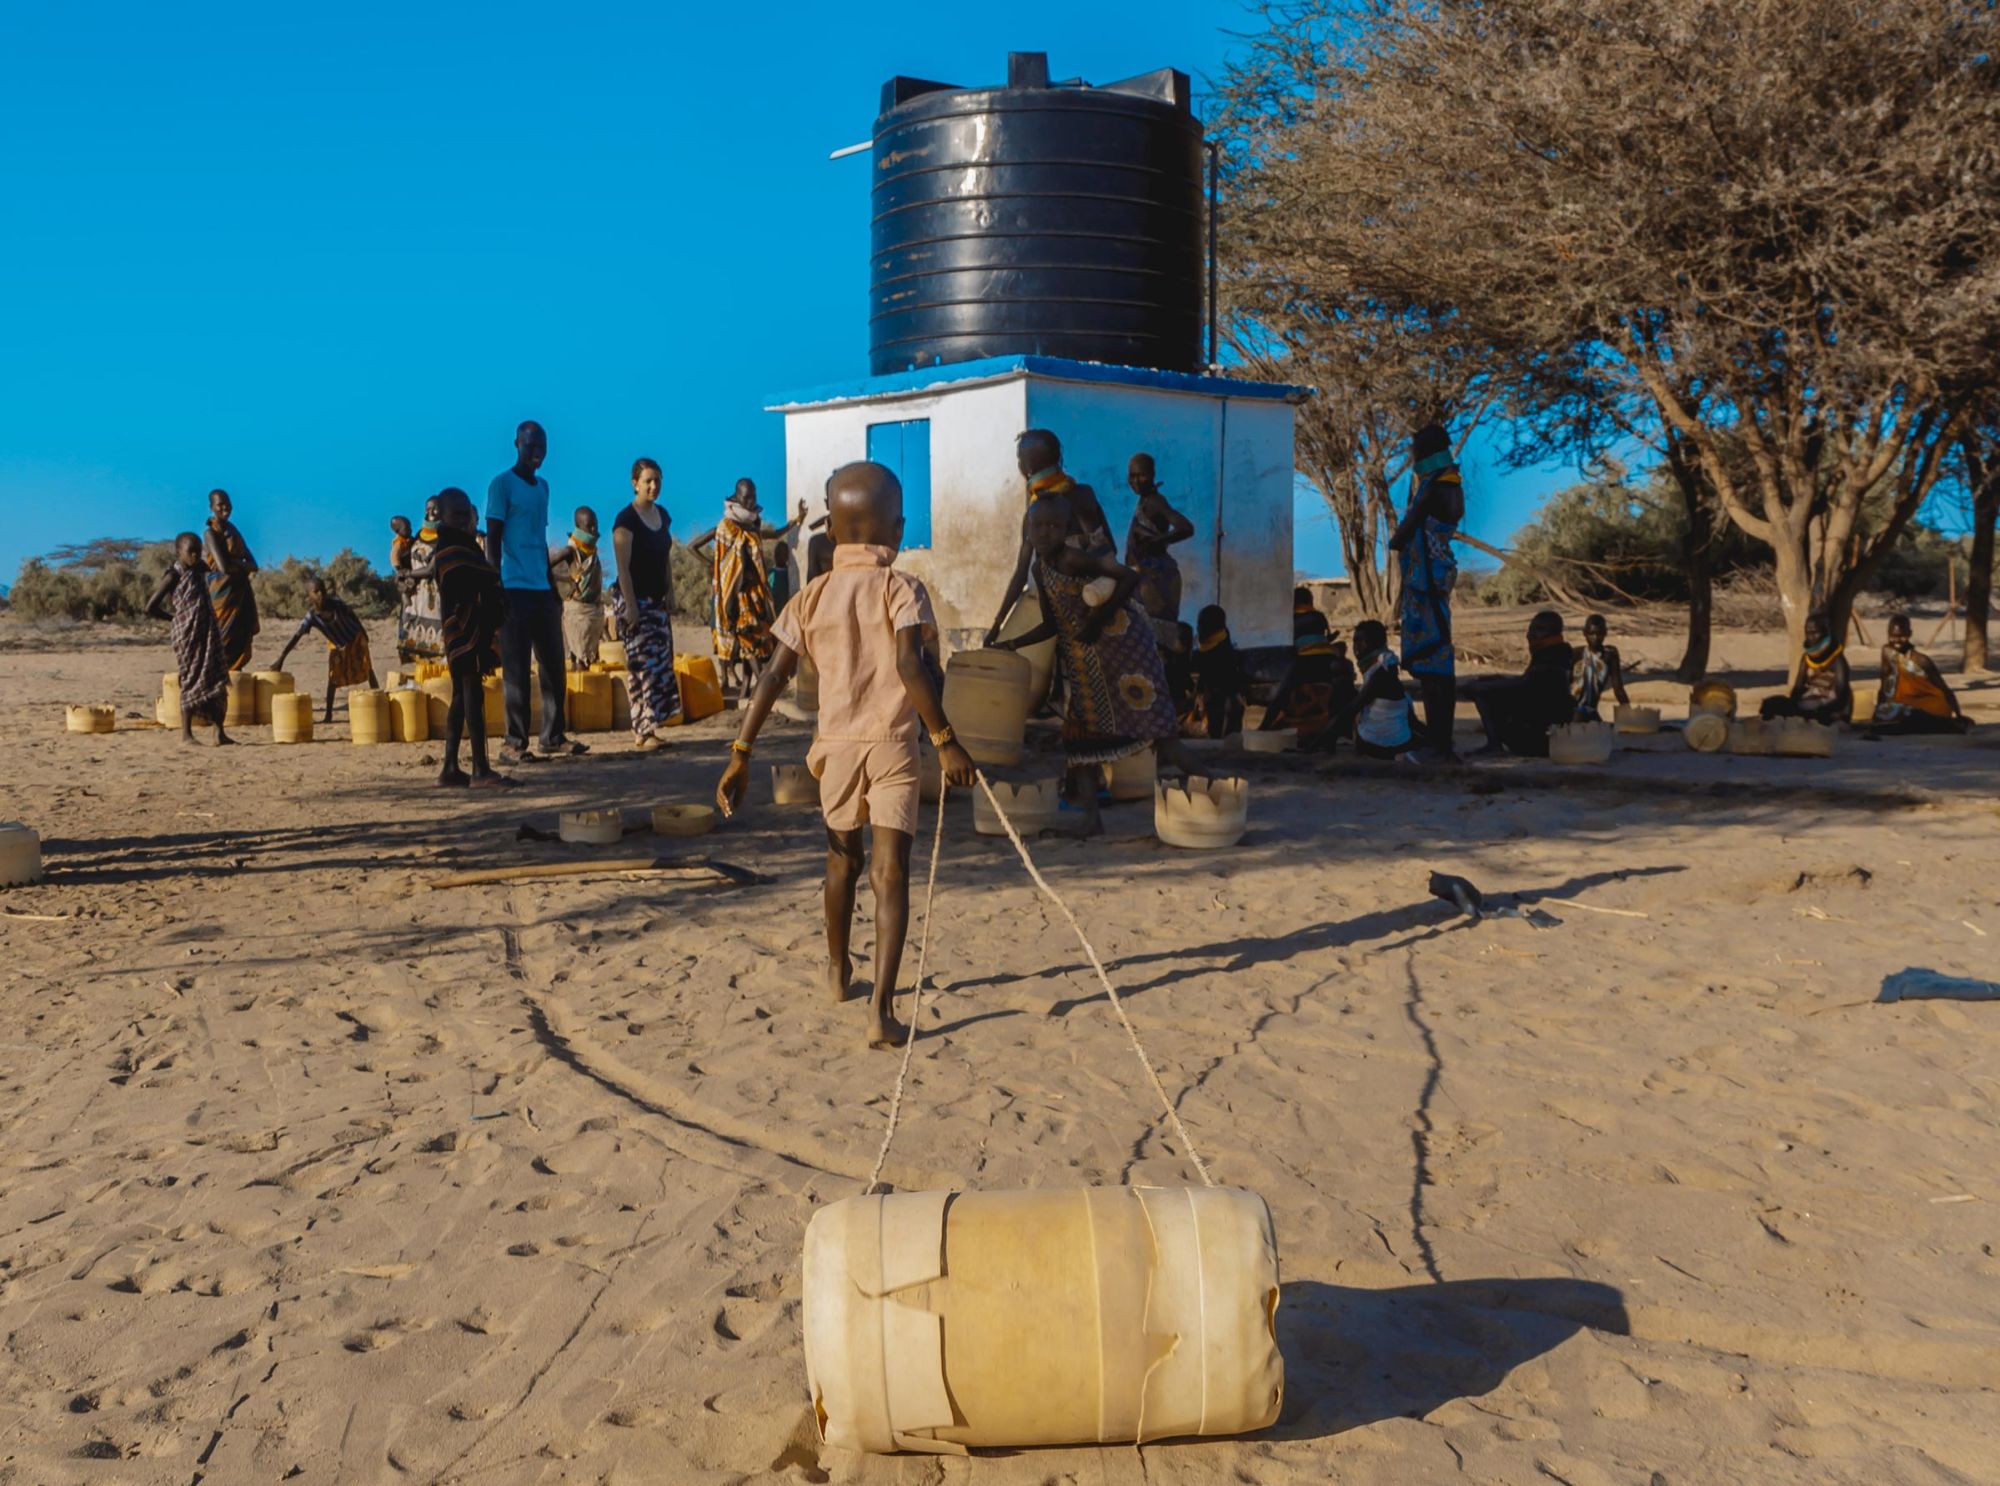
x=1355, y=1356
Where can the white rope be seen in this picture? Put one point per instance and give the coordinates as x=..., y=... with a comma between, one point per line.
x=917, y=1006
x=1096, y=964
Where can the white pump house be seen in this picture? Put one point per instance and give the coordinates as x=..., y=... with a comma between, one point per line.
x=1222, y=448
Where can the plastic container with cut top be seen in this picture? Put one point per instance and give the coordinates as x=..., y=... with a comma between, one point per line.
x=591, y=827
x=20, y=855
x=793, y=784
x=937, y=1321
x=1132, y=777
x=1031, y=807
x=683, y=820
x=1706, y=732
x=1201, y=814
x=1636, y=720
x=1795, y=737
x=1716, y=697
x=986, y=699
x=1580, y=743
x=91, y=718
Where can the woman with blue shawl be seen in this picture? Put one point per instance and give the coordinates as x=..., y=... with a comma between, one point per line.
x=1423, y=541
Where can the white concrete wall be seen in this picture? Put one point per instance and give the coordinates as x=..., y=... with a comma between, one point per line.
x=1226, y=462
x=976, y=492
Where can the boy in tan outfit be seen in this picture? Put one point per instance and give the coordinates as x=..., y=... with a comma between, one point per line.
x=865, y=626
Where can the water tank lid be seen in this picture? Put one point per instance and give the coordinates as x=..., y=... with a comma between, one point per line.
x=1166, y=85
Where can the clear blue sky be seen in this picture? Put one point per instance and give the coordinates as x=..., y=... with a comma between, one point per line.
x=327, y=257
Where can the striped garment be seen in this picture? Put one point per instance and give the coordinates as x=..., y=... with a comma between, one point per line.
x=744, y=608
x=199, y=659
x=469, y=594
x=350, y=664
x=649, y=664
x=233, y=599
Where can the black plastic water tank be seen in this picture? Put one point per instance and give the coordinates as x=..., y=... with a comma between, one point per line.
x=1039, y=219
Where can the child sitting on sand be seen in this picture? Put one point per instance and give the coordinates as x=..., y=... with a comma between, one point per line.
x=1597, y=671
x=473, y=607
x=1518, y=711
x=199, y=662
x=1316, y=686
x=1914, y=697
x=1218, y=677
x=579, y=575
x=1377, y=713
x=348, y=663
x=1823, y=692
x=865, y=626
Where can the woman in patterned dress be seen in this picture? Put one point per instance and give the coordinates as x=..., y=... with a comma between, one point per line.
x=229, y=592
x=643, y=600
x=199, y=662
x=744, y=607
x=1116, y=698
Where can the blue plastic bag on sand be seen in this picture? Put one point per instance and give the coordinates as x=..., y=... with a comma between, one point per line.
x=1929, y=985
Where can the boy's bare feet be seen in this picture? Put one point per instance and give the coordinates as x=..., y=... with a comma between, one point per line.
x=490, y=780
x=453, y=779
x=886, y=1032
x=840, y=979
x=223, y=740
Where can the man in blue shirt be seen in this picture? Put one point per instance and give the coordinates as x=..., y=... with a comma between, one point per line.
x=517, y=542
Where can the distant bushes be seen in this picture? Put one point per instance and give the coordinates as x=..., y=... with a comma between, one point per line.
x=281, y=591
x=1610, y=542
x=112, y=577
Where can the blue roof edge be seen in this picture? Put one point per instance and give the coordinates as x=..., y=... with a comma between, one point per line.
x=995, y=368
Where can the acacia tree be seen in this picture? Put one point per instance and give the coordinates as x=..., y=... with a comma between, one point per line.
x=1291, y=313
x=1772, y=221
x=1377, y=378
x=1980, y=456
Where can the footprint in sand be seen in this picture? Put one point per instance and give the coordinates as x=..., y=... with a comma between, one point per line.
x=385, y=1334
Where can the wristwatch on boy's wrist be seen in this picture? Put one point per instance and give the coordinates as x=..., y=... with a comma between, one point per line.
x=943, y=736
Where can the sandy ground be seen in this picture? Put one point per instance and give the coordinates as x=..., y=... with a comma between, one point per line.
x=313, y=1174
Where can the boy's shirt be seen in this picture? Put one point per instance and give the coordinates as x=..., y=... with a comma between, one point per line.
x=336, y=621
x=469, y=594
x=845, y=623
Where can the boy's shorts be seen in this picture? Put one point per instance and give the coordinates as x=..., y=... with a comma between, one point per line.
x=863, y=783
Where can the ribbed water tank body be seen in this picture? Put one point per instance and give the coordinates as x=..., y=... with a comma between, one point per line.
x=1038, y=219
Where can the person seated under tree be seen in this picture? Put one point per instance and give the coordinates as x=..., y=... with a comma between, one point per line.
x=1217, y=678
x=1914, y=697
x=1823, y=692
x=1377, y=714
x=1518, y=711
x=1597, y=671
x=1317, y=684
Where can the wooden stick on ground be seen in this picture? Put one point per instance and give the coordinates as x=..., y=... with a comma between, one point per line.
x=702, y=870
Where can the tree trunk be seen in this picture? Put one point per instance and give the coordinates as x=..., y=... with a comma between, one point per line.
x=1979, y=585
x=1700, y=573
